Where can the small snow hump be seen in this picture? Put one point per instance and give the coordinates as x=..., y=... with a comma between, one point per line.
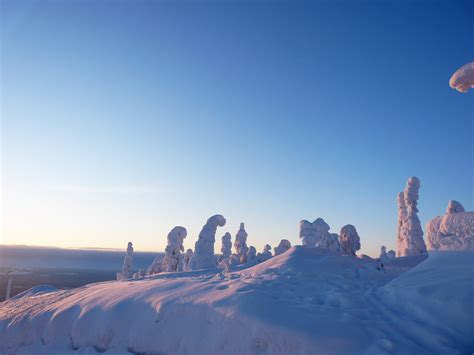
x=463, y=79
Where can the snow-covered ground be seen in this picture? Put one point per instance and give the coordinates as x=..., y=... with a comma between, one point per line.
x=304, y=301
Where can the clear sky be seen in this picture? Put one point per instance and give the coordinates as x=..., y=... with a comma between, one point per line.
x=122, y=119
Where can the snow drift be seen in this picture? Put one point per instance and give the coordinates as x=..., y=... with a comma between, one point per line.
x=306, y=300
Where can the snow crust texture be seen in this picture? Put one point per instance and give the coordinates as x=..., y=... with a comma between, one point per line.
x=304, y=301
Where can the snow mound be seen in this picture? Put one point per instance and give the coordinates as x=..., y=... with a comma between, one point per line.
x=304, y=301
x=439, y=293
x=453, y=231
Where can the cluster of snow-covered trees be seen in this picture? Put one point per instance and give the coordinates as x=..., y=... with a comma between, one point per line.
x=316, y=235
x=203, y=256
x=454, y=230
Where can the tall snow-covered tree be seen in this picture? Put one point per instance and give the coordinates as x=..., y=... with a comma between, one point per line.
x=204, y=257
x=410, y=241
x=402, y=216
x=127, y=264
x=240, y=244
x=174, y=248
x=282, y=247
x=226, y=248
x=349, y=240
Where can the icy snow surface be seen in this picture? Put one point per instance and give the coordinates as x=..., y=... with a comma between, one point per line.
x=304, y=301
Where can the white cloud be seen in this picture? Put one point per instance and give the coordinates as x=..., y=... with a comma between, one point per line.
x=463, y=79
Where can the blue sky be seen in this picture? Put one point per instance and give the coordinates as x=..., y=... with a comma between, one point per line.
x=122, y=119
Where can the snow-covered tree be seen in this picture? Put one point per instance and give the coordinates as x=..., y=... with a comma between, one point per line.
x=307, y=234
x=410, y=240
x=187, y=258
x=349, y=240
x=329, y=241
x=453, y=231
x=156, y=265
x=240, y=244
x=312, y=233
x=174, y=248
x=384, y=254
x=204, y=257
x=127, y=264
x=402, y=216
x=251, y=254
x=282, y=247
x=454, y=207
x=226, y=248
x=265, y=254
x=316, y=235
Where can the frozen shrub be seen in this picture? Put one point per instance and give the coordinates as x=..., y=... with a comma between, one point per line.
x=265, y=254
x=282, y=247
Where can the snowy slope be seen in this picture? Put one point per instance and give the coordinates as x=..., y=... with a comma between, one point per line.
x=305, y=301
